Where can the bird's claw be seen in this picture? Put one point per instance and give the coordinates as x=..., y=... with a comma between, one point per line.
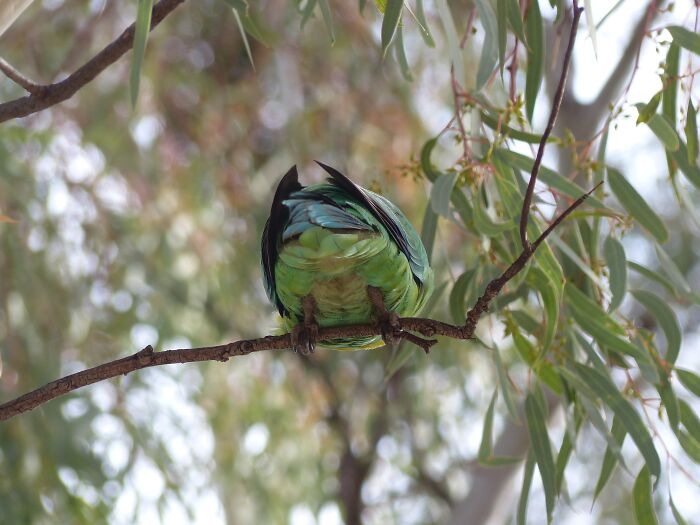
x=305, y=334
x=390, y=329
x=304, y=338
x=389, y=320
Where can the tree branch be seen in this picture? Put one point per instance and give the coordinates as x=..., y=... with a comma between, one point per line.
x=556, y=105
x=405, y=328
x=147, y=357
x=42, y=97
x=18, y=78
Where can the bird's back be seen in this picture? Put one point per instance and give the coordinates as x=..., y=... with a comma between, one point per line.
x=332, y=240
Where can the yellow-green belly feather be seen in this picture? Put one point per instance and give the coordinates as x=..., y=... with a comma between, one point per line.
x=336, y=268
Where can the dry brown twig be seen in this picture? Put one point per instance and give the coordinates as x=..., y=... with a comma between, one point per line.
x=407, y=327
x=44, y=96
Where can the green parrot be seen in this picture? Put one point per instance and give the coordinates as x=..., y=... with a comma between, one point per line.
x=337, y=254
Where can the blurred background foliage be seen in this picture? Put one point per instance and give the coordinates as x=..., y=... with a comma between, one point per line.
x=139, y=226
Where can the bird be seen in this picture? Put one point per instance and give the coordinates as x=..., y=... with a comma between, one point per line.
x=336, y=254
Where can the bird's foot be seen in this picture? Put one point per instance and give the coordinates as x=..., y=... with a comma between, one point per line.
x=389, y=320
x=304, y=338
x=304, y=334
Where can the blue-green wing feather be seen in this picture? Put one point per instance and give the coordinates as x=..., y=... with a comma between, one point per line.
x=394, y=221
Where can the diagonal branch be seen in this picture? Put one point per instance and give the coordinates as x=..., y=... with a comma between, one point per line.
x=42, y=97
x=18, y=78
x=556, y=105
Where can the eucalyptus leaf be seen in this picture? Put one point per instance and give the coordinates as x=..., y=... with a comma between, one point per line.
x=617, y=265
x=643, y=503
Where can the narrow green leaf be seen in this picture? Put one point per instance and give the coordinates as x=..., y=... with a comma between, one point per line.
x=689, y=380
x=308, y=11
x=643, y=504
x=689, y=169
x=591, y=353
x=669, y=401
x=247, y=21
x=486, y=447
x=611, y=456
x=504, y=384
x=567, y=447
x=691, y=132
x=542, y=368
x=688, y=418
x=505, y=130
x=499, y=461
x=671, y=270
x=647, y=110
x=670, y=92
x=521, y=514
x=608, y=333
x=561, y=8
x=484, y=224
x=392, y=17
x=426, y=165
x=244, y=37
x=401, y=58
x=489, y=50
x=143, y=27
x=580, y=302
x=550, y=301
x=427, y=234
x=596, y=419
x=684, y=38
x=542, y=449
x=623, y=409
x=546, y=261
x=653, y=276
x=547, y=176
x=690, y=444
x=526, y=321
x=327, y=19
x=452, y=40
x=666, y=317
x=457, y=303
x=664, y=132
x=535, y=57
x=515, y=19
x=668, y=103
x=502, y=21
x=571, y=254
x=677, y=515
x=507, y=186
x=635, y=205
x=441, y=193
x=617, y=265
x=458, y=198
x=424, y=28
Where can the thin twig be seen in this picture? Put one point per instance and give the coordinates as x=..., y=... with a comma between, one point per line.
x=458, y=117
x=18, y=78
x=58, y=92
x=556, y=105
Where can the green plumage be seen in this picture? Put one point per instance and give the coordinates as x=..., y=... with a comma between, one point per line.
x=333, y=240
